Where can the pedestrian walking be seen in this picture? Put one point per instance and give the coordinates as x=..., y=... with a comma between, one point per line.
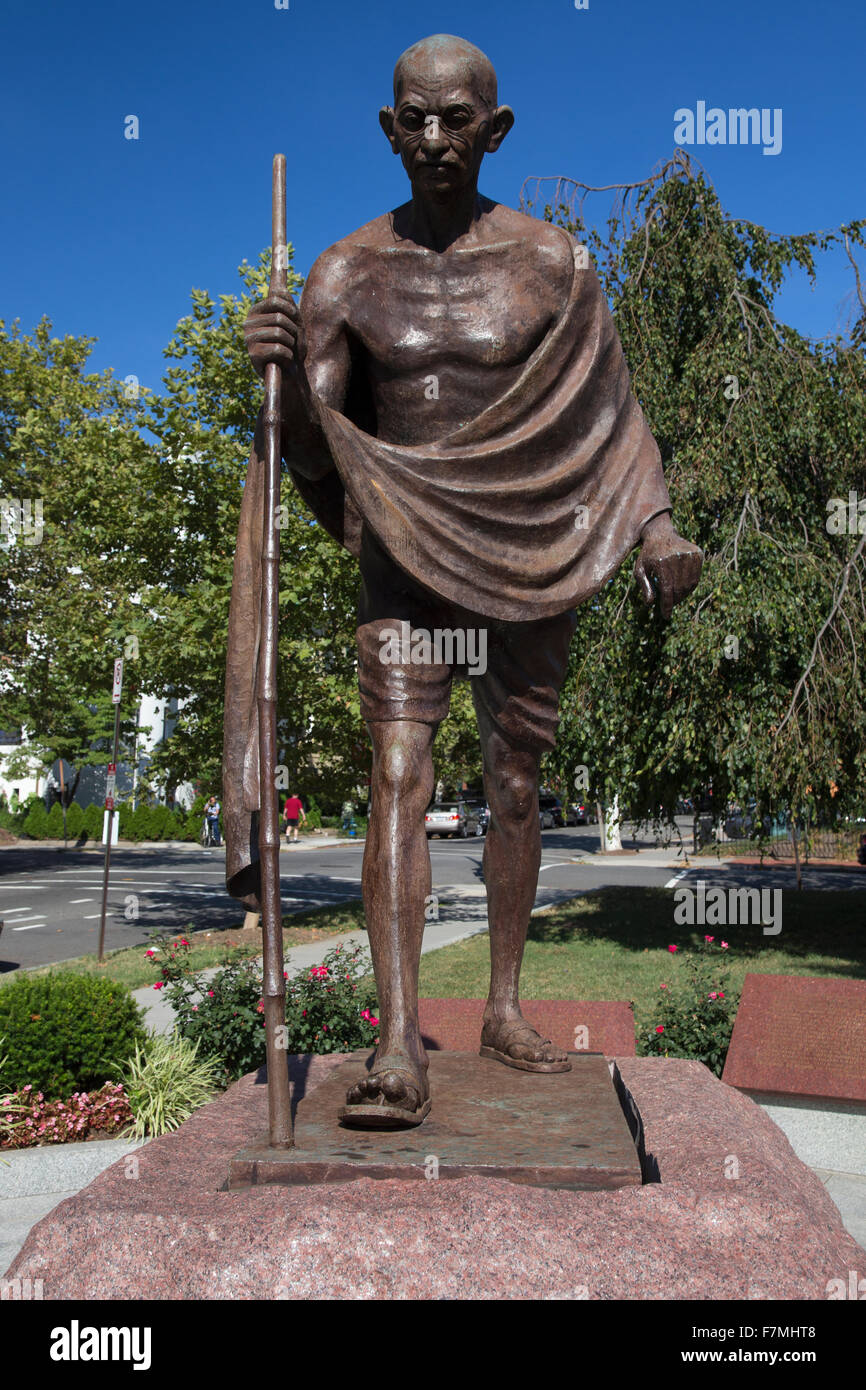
x=293, y=811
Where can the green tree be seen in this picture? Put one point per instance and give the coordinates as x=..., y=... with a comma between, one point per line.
x=79, y=503
x=756, y=685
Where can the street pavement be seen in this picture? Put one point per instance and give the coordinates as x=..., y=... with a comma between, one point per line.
x=50, y=899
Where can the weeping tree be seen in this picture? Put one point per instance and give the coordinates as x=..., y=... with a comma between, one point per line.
x=755, y=687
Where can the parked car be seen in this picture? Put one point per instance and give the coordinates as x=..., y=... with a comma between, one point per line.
x=742, y=822
x=550, y=811
x=580, y=813
x=452, y=818
x=482, y=813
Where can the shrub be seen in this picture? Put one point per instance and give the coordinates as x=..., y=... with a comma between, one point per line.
x=36, y=822
x=193, y=818
x=332, y=1007
x=220, y=1013
x=138, y=827
x=27, y=1118
x=695, y=1015
x=74, y=820
x=217, y=1012
x=164, y=824
x=93, y=817
x=66, y=1032
x=12, y=817
x=166, y=1081
x=55, y=822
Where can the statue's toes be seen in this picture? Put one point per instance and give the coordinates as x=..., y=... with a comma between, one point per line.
x=364, y=1091
x=394, y=1088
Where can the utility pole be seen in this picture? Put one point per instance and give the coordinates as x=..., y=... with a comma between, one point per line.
x=110, y=787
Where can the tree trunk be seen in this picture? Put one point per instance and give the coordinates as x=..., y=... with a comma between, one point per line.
x=795, y=839
x=612, y=827
x=599, y=811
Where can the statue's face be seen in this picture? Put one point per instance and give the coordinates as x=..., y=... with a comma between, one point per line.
x=441, y=127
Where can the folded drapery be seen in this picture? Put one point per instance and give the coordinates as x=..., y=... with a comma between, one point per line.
x=532, y=506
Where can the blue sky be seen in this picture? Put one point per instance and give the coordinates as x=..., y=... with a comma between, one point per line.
x=107, y=236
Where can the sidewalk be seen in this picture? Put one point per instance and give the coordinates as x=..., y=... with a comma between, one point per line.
x=312, y=841
x=34, y=1181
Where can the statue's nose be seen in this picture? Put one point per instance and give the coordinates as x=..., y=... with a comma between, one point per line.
x=434, y=136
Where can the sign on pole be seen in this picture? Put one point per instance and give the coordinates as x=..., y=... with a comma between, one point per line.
x=118, y=681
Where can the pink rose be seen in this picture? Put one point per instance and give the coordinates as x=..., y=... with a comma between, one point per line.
x=724, y=945
x=672, y=950
x=660, y=1028
x=159, y=984
x=709, y=938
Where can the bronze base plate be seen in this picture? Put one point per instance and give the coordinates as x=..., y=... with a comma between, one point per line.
x=564, y=1129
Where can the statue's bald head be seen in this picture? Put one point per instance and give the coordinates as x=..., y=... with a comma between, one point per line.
x=442, y=55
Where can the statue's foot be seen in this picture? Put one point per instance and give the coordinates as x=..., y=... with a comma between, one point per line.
x=393, y=1095
x=515, y=1043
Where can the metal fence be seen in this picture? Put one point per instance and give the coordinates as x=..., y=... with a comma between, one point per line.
x=811, y=844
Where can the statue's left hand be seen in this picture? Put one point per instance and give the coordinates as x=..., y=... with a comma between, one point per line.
x=667, y=567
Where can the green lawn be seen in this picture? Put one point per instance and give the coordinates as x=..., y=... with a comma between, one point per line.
x=613, y=944
x=131, y=967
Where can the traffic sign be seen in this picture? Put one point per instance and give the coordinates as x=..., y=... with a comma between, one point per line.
x=118, y=681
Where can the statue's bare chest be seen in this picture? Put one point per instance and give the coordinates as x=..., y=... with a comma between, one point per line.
x=412, y=309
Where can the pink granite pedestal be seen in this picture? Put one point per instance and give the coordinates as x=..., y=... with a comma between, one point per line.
x=736, y=1215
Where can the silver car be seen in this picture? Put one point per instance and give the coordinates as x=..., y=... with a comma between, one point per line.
x=451, y=818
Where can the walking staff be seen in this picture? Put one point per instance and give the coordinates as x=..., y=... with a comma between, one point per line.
x=274, y=987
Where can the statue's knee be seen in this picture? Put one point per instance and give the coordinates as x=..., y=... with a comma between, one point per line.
x=403, y=771
x=516, y=794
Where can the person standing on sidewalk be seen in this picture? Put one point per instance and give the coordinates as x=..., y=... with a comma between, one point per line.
x=212, y=811
x=293, y=811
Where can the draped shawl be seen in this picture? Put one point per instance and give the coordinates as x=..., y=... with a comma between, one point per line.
x=530, y=507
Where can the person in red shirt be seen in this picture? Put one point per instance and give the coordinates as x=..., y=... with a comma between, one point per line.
x=293, y=811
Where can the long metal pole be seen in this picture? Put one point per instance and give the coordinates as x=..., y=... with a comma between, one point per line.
x=63, y=804
x=274, y=986
x=108, y=798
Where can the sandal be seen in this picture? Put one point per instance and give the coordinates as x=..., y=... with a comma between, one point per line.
x=520, y=1063
x=380, y=1113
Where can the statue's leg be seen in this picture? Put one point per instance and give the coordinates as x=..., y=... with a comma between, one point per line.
x=396, y=881
x=402, y=703
x=512, y=855
x=516, y=701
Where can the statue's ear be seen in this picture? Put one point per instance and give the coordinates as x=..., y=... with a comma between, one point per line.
x=386, y=121
x=503, y=120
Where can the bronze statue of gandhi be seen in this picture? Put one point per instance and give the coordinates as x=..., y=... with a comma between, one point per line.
x=457, y=412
